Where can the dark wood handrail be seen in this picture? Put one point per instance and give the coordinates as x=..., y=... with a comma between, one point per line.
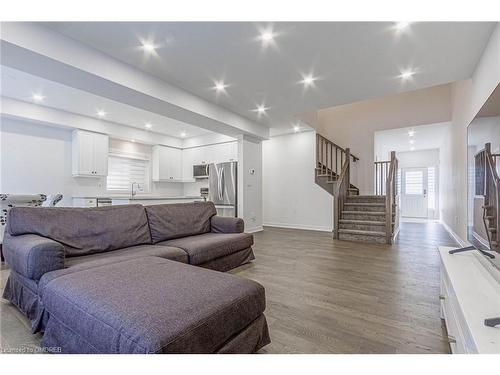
x=340, y=196
x=491, y=195
x=354, y=157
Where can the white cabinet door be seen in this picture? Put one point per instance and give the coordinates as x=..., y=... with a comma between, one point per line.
x=199, y=155
x=167, y=164
x=188, y=160
x=101, y=145
x=85, y=153
x=89, y=154
x=225, y=152
x=174, y=163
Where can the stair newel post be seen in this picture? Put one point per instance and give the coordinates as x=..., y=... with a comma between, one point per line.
x=389, y=197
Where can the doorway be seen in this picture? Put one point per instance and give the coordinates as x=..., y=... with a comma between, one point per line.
x=414, y=192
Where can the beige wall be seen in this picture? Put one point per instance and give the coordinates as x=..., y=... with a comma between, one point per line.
x=467, y=99
x=354, y=125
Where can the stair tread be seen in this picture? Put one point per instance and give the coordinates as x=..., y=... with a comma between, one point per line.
x=372, y=196
x=364, y=232
x=367, y=222
x=365, y=204
x=363, y=212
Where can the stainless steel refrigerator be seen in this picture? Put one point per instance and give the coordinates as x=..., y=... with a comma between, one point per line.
x=223, y=188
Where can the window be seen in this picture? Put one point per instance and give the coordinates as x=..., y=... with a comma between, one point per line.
x=431, y=182
x=124, y=169
x=414, y=183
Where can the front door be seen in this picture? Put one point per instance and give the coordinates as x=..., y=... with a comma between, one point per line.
x=414, y=192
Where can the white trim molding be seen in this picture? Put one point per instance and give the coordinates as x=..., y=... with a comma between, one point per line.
x=455, y=236
x=299, y=226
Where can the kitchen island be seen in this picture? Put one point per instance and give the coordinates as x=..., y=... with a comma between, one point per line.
x=145, y=200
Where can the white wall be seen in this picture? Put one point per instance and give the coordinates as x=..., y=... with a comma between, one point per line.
x=467, y=99
x=420, y=158
x=250, y=187
x=291, y=198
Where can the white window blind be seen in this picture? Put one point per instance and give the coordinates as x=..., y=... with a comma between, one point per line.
x=414, y=182
x=123, y=170
x=431, y=183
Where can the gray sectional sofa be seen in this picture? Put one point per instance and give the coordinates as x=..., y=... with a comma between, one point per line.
x=134, y=279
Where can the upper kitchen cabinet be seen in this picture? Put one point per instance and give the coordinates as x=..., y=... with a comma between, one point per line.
x=167, y=164
x=89, y=154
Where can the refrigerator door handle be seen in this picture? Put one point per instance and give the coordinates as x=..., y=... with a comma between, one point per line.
x=219, y=183
x=222, y=186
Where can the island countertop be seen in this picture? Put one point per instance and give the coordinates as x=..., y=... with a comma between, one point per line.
x=136, y=197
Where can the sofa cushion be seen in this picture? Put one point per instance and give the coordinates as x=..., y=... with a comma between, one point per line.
x=167, y=252
x=168, y=221
x=206, y=247
x=84, y=231
x=148, y=305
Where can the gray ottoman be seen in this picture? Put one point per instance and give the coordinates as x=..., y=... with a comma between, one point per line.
x=153, y=305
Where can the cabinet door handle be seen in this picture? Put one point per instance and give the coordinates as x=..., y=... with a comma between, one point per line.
x=442, y=297
x=452, y=339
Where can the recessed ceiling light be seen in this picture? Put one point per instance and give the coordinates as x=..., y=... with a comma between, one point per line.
x=261, y=109
x=101, y=113
x=148, y=46
x=38, y=98
x=412, y=141
x=132, y=140
x=267, y=36
x=411, y=133
x=183, y=134
x=296, y=128
x=412, y=148
x=401, y=26
x=406, y=74
x=308, y=80
x=148, y=125
x=219, y=86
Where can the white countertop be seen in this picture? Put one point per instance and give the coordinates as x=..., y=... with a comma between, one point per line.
x=137, y=197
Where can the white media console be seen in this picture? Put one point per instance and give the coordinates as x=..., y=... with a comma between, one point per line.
x=470, y=293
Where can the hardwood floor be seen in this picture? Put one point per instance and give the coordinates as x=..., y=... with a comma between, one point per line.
x=329, y=296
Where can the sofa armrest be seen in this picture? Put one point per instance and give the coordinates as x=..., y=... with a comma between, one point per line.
x=221, y=224
x=31, y=255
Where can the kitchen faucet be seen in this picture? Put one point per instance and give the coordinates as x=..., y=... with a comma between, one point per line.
x=134, y=192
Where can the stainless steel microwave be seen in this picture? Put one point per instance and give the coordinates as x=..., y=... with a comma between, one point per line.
x=200, y=171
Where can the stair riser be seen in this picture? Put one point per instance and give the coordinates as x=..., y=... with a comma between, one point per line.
x=348, y=207
x=370, y=227
x=361, y=238
x=362, y=216
x=362, y=199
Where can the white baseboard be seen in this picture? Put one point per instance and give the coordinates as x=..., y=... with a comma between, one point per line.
x=481, y=239
x=455, y=236
x=299, y=226
x=254, y=229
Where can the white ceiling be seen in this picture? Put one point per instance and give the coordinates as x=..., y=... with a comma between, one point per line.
x=21, y=86
x=352, y=60
x=425, y=137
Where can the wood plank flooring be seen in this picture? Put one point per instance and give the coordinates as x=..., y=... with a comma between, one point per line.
x=329, y=296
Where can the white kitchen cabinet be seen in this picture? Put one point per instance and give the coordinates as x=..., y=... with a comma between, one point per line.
x=188, y=160
x=218, y=153
x=89, y=154
x=167, y=164
x=225, y=152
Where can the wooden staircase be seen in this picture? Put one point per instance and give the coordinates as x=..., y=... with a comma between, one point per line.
x=370, y=218
x=491, y=187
